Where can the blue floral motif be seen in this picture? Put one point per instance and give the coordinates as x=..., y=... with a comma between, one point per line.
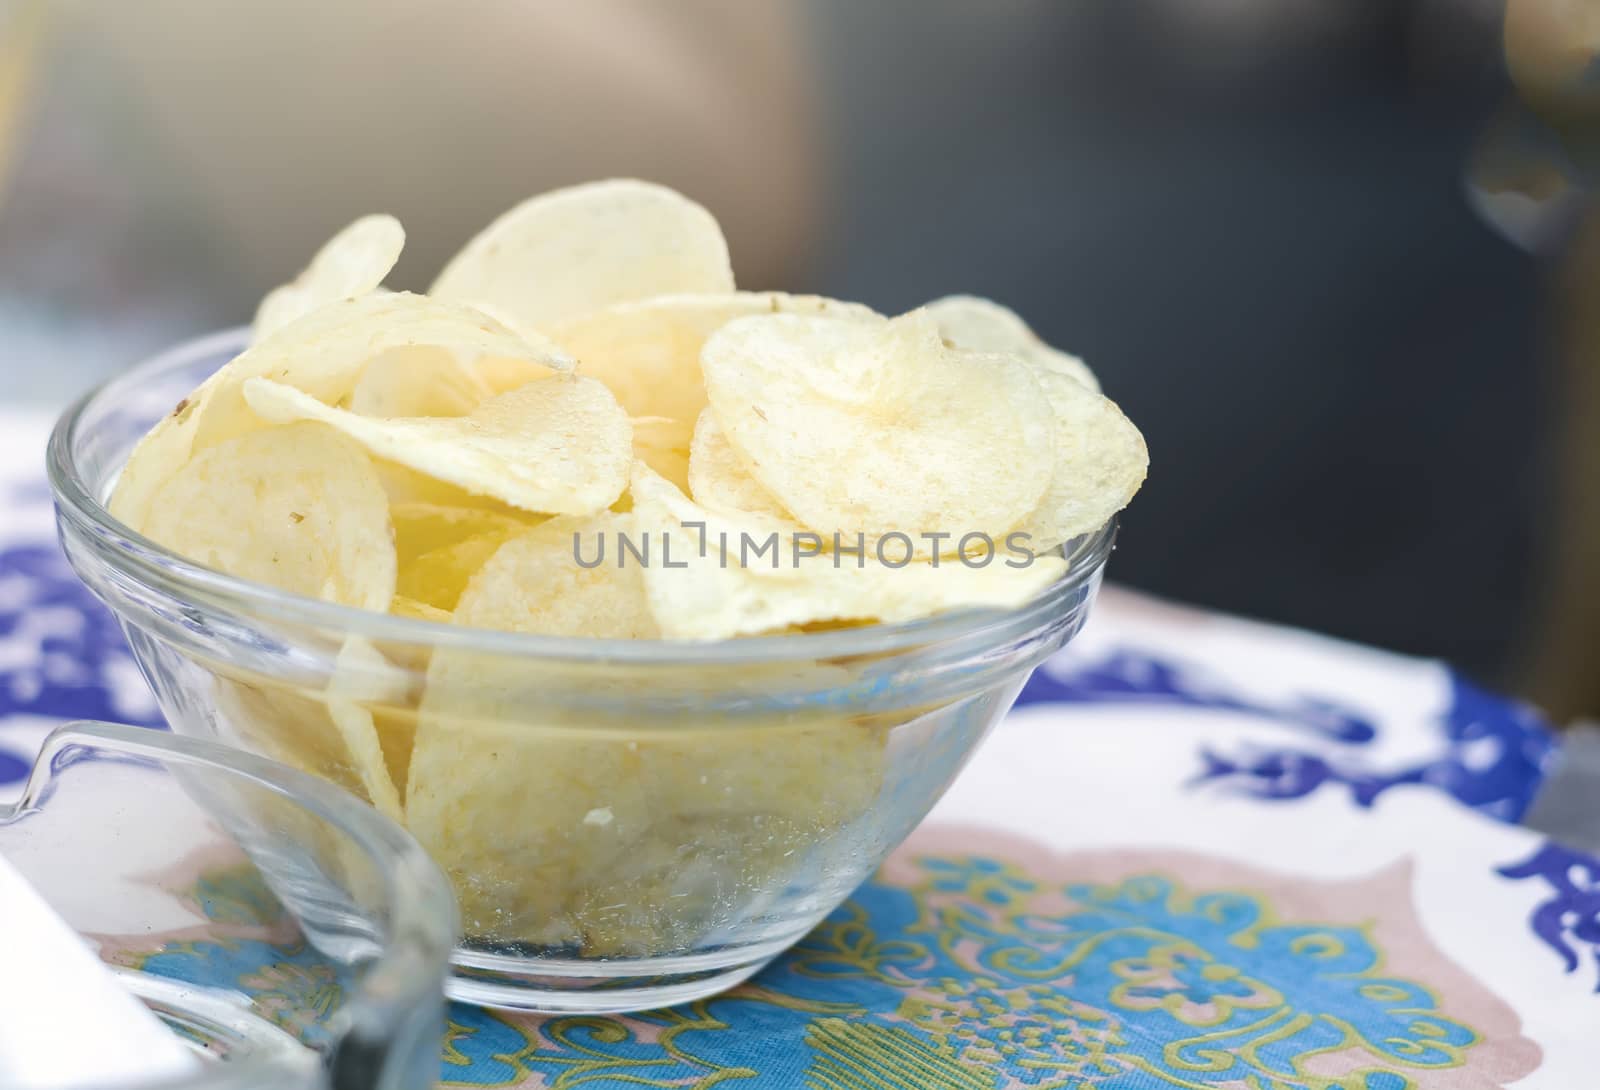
x=972, y=979
x=1569, y=920
x=289, y=981
x=977, y=975
x=477, y=1047
x=77, y=662
x=1494, y=756
x=1127, y=676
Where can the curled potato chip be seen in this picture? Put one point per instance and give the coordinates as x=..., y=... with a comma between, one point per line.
x=417, y=380
x=719, y=478
x=574, y=250
x=350, y=264
x=414, y=341
x=982, y=325
x=325, y=354
x=1100, y=456
x=878, y=427
x=561, y=446
x=317, y=515
x=719, y=576
x=648, y=350
x=1101, y=461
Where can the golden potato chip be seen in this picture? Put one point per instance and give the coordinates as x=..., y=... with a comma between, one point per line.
x=299, y=507
x=325, y=353
x=438, y=576
x=328, y=354
x=363, y=678
x=878, y=427
x=350, y=264
x=719, y=478
x=982, y=325
x=407, y=487
x=575, y=250
x=1100, y=456
x=459, y=763
x=418, y=611
x=157, y=456
x=703, y=823
x=663, y=445
x=562, y=827
x=1101, y=461
x=648, y=350
x=423, y=527
x=549, y=581
x=292, y=727
x=720, y=575
x=561, y=446
x=417, y=380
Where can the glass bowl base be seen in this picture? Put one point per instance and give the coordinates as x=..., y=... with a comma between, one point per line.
x=549, y=985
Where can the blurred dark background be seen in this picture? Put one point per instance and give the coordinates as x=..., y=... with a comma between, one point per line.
x=1326, y=253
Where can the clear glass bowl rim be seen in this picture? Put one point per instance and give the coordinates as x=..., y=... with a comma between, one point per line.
x=410, y=970
x=132, y=554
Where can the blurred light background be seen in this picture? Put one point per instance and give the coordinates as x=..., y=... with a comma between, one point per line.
x=1331, y=255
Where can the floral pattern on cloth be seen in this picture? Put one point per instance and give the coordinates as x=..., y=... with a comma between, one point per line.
x=248, y=944
x=1491, y=754
x=981, y=962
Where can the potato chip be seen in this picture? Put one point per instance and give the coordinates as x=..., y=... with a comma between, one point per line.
x=157, y=456
x=417, y=380
x=982, y=325
x=350, y=264
x=292, y=727
x=535, y=584
x=1101, y=462
x=648, y=350
x=402, y=606
x=702, y=823
x=299, y=507
x=438, y=576
x=719, y=478
x=571, y=251
x=561, y=446
x=663, y=445
x=423, y=527
x=502, y=374
x=562, y=579
x=561, y=826
x=723, y=575
x=878, y=427
x=363, y=677
x=325, y=353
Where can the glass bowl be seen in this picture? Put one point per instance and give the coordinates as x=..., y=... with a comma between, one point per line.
x=626, y=824
x=285, y=931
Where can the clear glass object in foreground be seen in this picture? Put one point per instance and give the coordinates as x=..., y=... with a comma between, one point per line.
x=626, y=824
x=293, y=936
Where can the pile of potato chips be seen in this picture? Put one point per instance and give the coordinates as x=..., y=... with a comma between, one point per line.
x=582, y=374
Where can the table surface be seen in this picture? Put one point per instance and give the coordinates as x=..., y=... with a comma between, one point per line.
x=1201, y=852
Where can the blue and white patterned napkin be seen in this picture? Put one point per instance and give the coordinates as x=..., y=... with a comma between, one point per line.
x=1201, y=853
